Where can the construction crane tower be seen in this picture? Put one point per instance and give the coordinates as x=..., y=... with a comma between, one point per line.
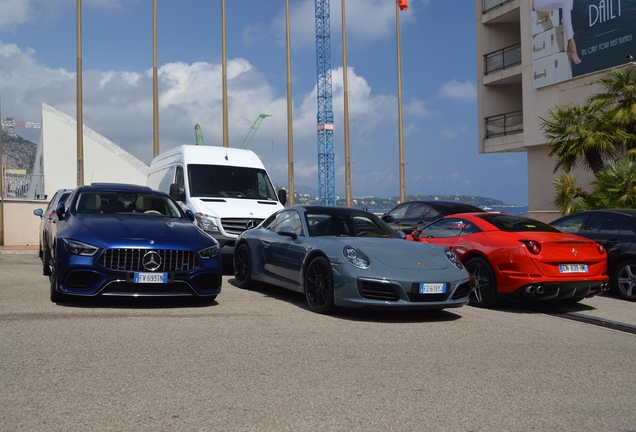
x=326, y=156
x=245, y=140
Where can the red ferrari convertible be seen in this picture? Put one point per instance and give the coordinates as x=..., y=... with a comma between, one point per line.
x=520, y=258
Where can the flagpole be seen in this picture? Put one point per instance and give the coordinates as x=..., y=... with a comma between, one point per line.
x=226, y=138
x=155, y=85
x=345, y=86
x=290, y=129
x=80, y=107
x=400, y=113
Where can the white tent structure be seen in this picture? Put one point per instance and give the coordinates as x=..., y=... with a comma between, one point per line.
x=55, y=164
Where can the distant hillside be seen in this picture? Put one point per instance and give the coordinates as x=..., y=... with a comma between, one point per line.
x=18, y=153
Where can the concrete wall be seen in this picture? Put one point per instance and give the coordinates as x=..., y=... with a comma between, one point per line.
x=21, y=226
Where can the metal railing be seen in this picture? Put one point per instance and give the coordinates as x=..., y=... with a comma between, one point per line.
x=502, y=59
x=23, y=186
x=487, y=5
x=504, y=124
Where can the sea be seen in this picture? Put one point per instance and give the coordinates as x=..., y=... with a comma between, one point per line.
x=510, y=209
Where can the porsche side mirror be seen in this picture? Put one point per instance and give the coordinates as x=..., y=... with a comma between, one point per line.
x=287, y=231
x=38, y=212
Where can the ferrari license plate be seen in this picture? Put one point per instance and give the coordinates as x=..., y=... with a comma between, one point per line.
x=573, y=268
x=151, y=277
x=432, y=288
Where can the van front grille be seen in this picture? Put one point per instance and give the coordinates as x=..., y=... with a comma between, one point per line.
x=237, y=225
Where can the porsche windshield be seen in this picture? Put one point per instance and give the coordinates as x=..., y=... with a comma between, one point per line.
x=220, y=181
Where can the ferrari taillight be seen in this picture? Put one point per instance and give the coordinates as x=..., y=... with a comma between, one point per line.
x=600, y=248
x=533, y=246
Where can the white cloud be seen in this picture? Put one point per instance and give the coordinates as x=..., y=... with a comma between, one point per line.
x=14, y=13
x=458, y=90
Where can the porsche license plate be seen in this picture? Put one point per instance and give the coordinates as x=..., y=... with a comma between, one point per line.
x=573, y=268
x=151, y=277
x=432, y=288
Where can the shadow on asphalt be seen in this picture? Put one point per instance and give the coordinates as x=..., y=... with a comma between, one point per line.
x=381, y=315
x=137, y=303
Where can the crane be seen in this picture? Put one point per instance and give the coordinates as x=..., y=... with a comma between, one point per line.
x=326, y=168
x=198, y=134
x=245, y=140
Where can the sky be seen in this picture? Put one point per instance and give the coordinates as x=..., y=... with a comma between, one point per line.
x=38, y=62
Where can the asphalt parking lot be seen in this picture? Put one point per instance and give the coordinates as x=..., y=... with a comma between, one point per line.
x=259, y=360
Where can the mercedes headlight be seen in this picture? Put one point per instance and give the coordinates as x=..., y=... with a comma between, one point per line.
x=75, y=247
x=205, y=222
x=209, y=252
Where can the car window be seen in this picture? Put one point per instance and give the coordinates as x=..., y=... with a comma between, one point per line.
x=607, y=226
x=347, y=224
x=112, y=202
x=452, y=227
x=399, y=212
x=289, y=218
x=512, y=223
x=418, y=210
x=573, y=224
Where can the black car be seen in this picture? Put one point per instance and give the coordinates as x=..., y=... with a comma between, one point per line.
x=615, y=229
x=48, y=217
x=412, y=215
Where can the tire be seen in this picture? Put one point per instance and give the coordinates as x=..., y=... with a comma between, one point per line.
x=484, y=284
x=319, y=286
x=46, y=261
x=243, y=266
x=624, y=280
x=56, y=296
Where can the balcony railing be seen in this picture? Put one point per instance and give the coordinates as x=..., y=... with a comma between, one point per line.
x=23, y=186
x=504, y=124
x=486, y=5
x=502, y=59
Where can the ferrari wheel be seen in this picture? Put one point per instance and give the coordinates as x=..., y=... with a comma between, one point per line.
x=243, y=266
x=624, y=280
x=319, y=286
x=484, y=285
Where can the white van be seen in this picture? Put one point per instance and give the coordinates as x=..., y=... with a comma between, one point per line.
x=227, y=189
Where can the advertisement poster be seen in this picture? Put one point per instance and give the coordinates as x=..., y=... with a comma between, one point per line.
x=572, y=38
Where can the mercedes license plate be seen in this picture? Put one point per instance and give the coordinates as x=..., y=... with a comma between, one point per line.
x=432, y=288
x=573, y=268
x=151, y=277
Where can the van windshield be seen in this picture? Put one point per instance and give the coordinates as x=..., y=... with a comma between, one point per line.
x=229, y=182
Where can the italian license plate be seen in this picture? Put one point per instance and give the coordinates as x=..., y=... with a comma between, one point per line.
x=573, y=268
x=151, y=278
x=432, y=288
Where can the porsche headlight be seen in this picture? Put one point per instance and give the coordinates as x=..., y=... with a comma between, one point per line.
x=356, y=258
x=453, y=258
x=75, y=247
x=209, y=252
x=206, y=222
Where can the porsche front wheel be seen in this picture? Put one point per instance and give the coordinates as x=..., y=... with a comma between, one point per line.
x=243, y=266
x=319, y=286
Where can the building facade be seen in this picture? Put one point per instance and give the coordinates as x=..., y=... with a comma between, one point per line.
x=533, y=55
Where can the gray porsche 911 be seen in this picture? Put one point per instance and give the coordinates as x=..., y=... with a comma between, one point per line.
x=343, y=257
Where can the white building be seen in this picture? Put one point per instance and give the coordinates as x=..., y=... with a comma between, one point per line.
x=524, y=69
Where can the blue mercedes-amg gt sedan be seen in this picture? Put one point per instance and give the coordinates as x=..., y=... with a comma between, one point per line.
x=131, y=241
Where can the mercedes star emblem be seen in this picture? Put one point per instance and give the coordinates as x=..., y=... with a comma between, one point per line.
x=151, y=261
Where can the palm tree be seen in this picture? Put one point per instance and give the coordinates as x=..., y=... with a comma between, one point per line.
x=615, y=187
x=568, y=194
x=581, y=136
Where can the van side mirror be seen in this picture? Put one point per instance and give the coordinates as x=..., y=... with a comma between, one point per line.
x=177, y=193
x=282, y=196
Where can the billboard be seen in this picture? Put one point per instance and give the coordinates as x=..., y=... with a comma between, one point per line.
x=572, y=38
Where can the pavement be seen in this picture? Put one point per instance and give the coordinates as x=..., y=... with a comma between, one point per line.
x=19, y=249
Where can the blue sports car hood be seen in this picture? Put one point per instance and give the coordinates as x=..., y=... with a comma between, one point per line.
x=402, y=254
x=138, y=231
